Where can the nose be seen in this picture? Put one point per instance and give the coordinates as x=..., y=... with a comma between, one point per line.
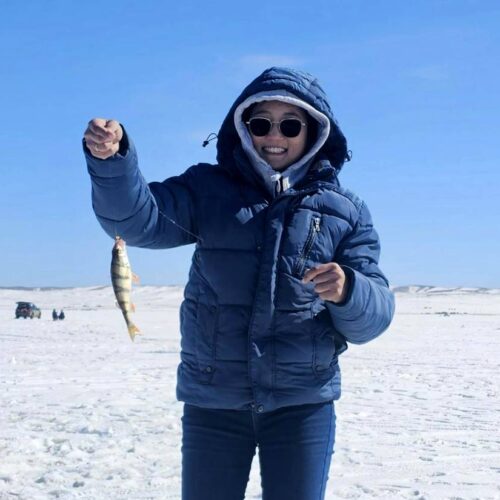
x=275, y=129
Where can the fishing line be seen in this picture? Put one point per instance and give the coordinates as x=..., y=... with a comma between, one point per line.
x=210, y=137
x=179, y=226
x=170, y=220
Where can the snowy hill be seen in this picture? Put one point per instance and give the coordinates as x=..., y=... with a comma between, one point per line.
x=436, y=290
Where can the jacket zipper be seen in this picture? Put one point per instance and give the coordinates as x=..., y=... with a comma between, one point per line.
x=311, y=237
x=298, y=195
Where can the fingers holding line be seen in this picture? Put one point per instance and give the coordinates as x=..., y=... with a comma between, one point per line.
x=100, y=130
x=328, y=282
x=114, y=128
x=327, y=277
x=322, y=273
x=102, y=151
x=102, y=137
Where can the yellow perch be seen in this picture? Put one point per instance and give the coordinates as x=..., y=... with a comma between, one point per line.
x=121, y=279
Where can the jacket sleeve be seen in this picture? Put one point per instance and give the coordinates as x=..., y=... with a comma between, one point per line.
x=156, y=215
x=369, y=306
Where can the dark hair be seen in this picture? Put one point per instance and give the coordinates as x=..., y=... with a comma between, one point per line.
x=247, y=113
x=312, y=131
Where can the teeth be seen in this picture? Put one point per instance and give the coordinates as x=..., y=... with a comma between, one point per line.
x=274, y=150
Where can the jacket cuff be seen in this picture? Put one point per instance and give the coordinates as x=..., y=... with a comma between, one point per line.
x=356, y=299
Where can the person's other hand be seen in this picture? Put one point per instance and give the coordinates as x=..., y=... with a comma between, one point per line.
x=103, y=137
x=330, y=281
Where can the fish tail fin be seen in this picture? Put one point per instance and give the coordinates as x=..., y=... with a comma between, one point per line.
x=133, y=331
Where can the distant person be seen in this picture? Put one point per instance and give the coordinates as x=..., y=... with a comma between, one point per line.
x=284, y=274
x=55, y=316
x=61, y=315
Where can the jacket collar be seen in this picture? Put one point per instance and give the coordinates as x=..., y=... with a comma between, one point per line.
x=320, y=172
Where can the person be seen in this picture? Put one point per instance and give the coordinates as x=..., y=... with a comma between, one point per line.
x=55, y=317
x=284, y=275
x=61, y=315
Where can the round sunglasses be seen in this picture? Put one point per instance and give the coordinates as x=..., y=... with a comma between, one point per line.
x=289, y=127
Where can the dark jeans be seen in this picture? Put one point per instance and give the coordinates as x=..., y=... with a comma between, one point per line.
x=295, y=449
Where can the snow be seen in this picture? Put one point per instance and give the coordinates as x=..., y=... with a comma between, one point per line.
x=86, y=413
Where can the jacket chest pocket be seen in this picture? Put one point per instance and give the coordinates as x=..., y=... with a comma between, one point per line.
x=312, y=235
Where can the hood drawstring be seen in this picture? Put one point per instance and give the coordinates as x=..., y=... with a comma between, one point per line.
x=282, y=183
x=209, y=138
x=277, y=186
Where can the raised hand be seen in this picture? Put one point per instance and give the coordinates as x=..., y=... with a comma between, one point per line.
x=103, y=137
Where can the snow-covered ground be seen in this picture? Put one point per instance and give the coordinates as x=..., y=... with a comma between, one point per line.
x=85, y=413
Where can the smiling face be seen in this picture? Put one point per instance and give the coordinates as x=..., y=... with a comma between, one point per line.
x=276, y=149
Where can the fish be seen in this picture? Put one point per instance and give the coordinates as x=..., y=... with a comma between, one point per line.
x=121, y=279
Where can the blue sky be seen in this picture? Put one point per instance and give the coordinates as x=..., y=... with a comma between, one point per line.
x=414, y=86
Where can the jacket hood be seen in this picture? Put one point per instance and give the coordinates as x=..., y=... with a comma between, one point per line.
x=296, y=87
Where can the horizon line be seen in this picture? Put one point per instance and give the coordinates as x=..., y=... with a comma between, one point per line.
x=392, y=287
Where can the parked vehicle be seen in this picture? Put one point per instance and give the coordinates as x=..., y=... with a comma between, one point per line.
x=27, y=310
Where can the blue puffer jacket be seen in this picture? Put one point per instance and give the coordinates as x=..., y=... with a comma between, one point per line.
x=253, y=335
